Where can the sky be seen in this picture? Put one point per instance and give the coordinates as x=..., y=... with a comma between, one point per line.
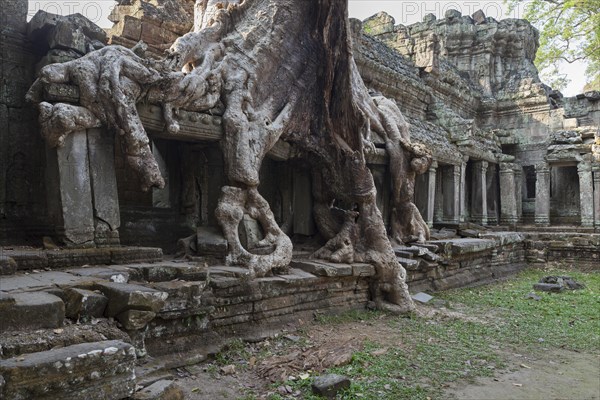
x=404, y=12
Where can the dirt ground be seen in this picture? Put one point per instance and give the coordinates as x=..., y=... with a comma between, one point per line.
x=558, y=374
x=562, y=374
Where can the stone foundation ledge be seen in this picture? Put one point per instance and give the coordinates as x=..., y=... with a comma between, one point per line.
x=187, y=310
x=29, y=258
x=94, y=371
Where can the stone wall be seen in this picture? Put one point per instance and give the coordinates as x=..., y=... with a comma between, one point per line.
x=22, y=207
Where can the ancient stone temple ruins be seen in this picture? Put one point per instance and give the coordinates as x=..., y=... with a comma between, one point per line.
x=206, y=171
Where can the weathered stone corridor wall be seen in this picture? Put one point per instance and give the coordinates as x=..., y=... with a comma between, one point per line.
x=22, y=159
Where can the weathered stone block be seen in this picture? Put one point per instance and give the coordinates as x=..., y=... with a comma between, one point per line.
x=67, y=36
x=14, y=15
x=548, y=287
x=135, y=319
x=31, y=311
x=124, y=296
x=95, y=371
x=8, y=266
x=479, y=17
x=378, y=24
x=127, y=255
x=329, y=385
x=408, y=263
x=42, y=22
x=210, y=241
x=161, y=390
x=84, y=304
x=320, y=268
x=363, y=270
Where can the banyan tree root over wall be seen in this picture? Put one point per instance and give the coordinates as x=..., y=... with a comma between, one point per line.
x=281, y=69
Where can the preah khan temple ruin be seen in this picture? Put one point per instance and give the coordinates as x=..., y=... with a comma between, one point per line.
x=212, y=170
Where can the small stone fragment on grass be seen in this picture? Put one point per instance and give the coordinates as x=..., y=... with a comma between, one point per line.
x=533, y=296
x=329, y=385
x=548, y=287
x=422, y=297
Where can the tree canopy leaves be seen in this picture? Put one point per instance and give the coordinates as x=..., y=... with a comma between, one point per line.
x=569, y=32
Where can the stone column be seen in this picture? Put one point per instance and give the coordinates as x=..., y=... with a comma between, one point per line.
x=83, y=202
x=105, y=198
x=479, y=194
x=69, y=190
x=586, y=193
x=519, y=190
x=463, y=188
x=597, y=197
x=438, y=202
x=457, y=186
x=431, y=189
x=542, y=194
x=492, y=194
x=451, y=191
x=508, y=194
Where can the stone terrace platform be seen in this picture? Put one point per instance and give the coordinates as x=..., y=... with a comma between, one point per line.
x=109, y=305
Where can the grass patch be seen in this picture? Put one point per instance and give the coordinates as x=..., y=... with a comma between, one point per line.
x=569, y=320
x=433, y=352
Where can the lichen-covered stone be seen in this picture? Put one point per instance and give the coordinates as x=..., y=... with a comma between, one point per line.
x=84, y=304
x=99, y=370
x=8, y=265
x=33, y=310
x=123, y=297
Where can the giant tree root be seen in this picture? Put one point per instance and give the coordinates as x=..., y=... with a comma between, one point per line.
x=233, y=204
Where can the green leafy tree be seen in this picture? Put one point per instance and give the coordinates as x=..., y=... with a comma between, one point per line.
x=569, y=32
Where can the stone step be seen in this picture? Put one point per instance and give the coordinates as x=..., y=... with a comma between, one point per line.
x=30, y=311
x=403, y=253
x=28, y=258
x=432, y=247
x=322, y=268
x=14, y=344
x=94, y=371
x=409, y=263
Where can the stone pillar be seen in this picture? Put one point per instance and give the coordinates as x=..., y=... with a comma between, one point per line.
x=542, y=194
x=105, y=198
x=479, y=193
x=508, y=194
x=438, y=202
x=492, y=194
x=82, y=189
x=586, y=193
x=518, y=190
x=431, y=189
x=597, y=197
x=456, y=171
x=463, y=189
x=70, y=191
x=451, y=193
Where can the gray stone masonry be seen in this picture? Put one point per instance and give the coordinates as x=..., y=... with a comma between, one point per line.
x=586, y=193
x=94, y=371
x=542, y=195
x=597, y=197
x=508, y=195
x=479, y=193
x=431, y=186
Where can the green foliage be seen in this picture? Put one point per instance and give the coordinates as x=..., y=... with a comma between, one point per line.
x=569, y=31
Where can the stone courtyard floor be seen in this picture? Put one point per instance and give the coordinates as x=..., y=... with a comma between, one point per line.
x=492, y=342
